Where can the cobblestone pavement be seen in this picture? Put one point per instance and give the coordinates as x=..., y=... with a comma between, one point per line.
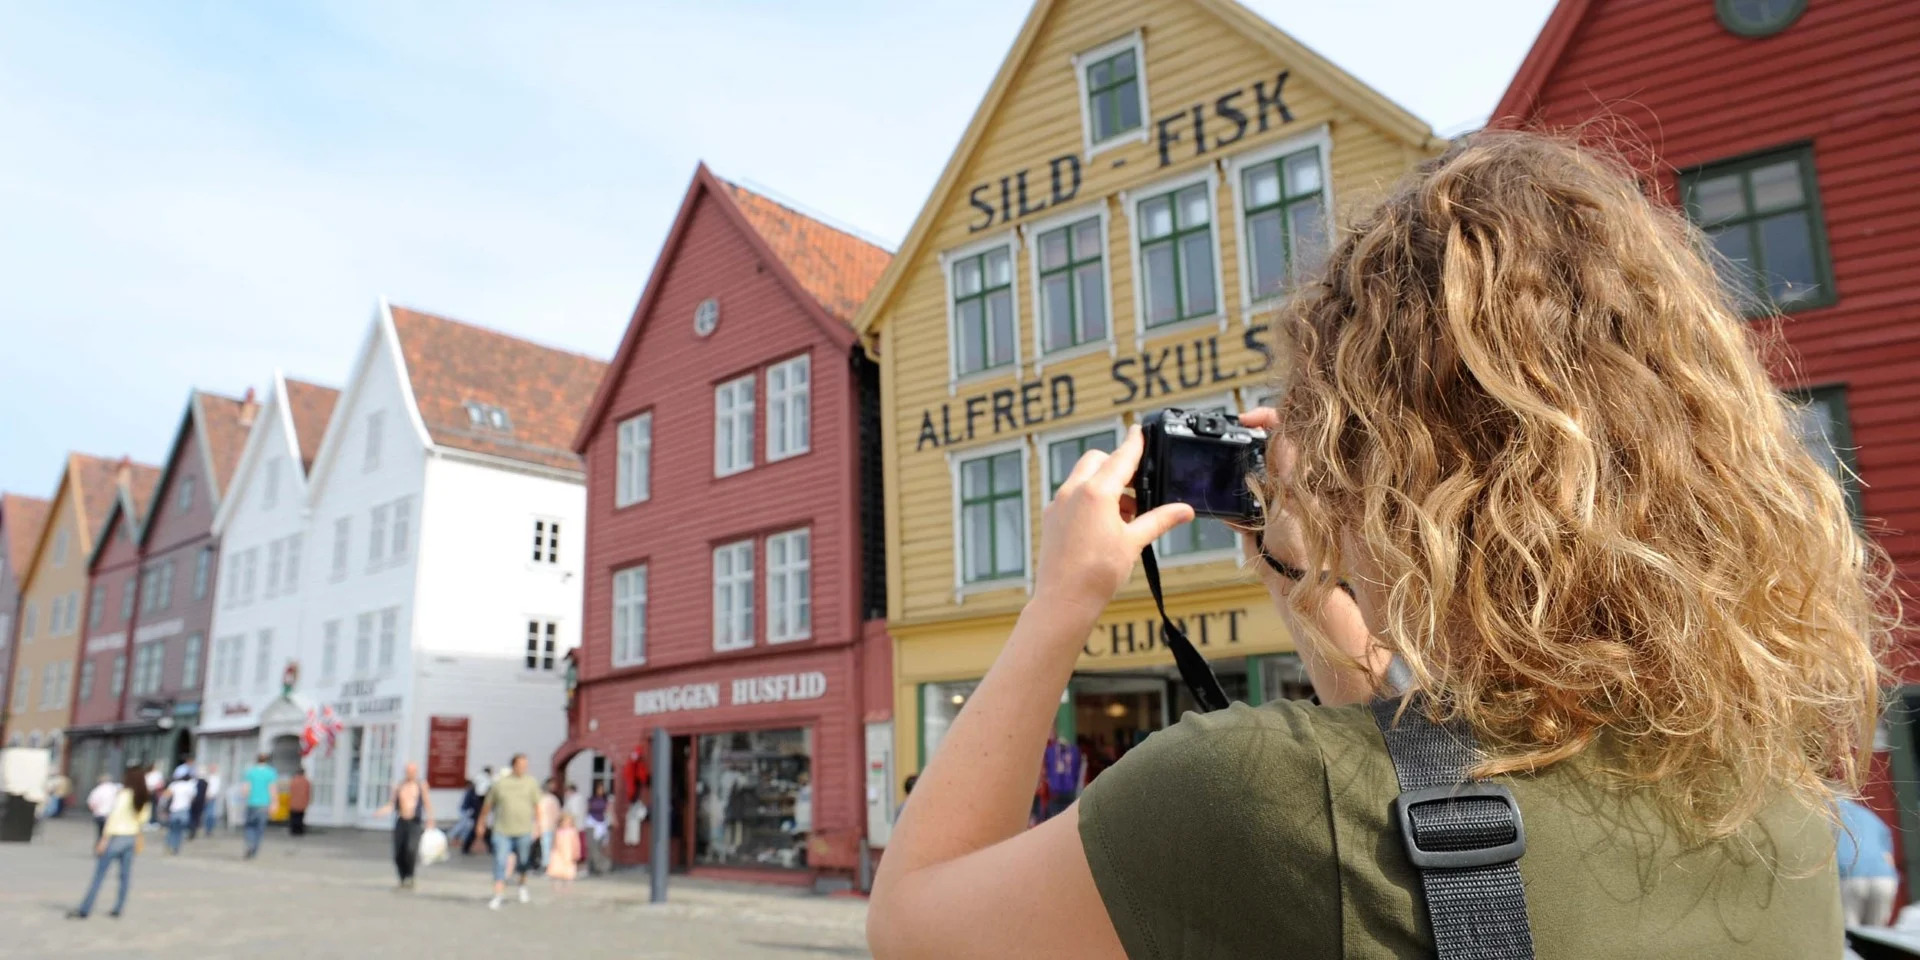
x=332, y=894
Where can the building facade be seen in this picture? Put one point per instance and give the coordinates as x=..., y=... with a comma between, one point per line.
x=262, y=509
x=417, y=595
x=137, y=699
x=21, y=518
x=1140, y=185
x=53, y=598
x=733, y=587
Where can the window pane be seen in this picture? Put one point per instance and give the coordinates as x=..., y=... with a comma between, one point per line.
x=1127, y=97
x=1156, y=217
x=971, y=337
x=1060, y=460
x=1303, y=173
x=1009, y=543
x=1308, y=223
x=1717, y=198
x=1000, y=312
x=1123, y=65
x=1196, y=264
x=1056, y=310
x=1813, y=423
x=966, y=277
x=979, y=541
x=999, y=268
x=1101, y=109
x=1734, y=244
x=1262, y=185
x=1093, y=302
x=1161, y=307
x=1267, y=257
x=1053, y=249
x=1211, y=534
x=973, y=479
x=1786, y=244
x=1100, y=74
x=1777, y=185
x=1006, y=474
x=1086, y=239
x=1193, y=206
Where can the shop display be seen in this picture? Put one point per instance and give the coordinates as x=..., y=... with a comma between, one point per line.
x=755, y=800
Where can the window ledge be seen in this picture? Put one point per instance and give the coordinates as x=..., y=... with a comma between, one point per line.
x=1197, y=558
x=982, y=376
x=1136, y=135
x=1062, y=355
x=1215, y=319
x=992, y=586
x=803, y=451
x=798, y=638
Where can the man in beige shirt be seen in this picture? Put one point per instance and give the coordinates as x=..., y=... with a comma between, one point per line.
x=513, y=801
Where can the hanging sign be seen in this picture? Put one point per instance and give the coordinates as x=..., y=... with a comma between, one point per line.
x=446, y=752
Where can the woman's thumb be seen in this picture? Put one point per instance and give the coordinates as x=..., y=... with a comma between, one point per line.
x=1151, y=525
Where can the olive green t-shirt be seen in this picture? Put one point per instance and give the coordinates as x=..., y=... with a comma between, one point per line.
x=514, y=799
x=1267, y=832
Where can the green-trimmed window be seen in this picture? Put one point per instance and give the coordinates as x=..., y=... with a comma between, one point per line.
x=1285, y=208
x=1176, y=255
x=1763, y=215
x=1113, y=95
x=1073, y=285
x=1826, y=430
x=1063, y=454
x=993, y=517
x=983, y=310
x=1204, y=534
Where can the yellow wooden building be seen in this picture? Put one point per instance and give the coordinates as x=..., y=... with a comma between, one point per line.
x=1128, y=203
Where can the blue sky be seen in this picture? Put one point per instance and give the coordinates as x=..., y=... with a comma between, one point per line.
x=195, y=193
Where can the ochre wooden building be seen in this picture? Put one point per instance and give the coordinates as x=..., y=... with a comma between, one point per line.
x=1132, y=198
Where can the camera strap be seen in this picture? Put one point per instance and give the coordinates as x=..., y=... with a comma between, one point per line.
x=1195, y=672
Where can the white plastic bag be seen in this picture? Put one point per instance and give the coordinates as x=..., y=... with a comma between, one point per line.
x=433, y=846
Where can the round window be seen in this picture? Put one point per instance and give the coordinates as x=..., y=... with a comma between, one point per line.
x=1759, y=18
x=706, y=316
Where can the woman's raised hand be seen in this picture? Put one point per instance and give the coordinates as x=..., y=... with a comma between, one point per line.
x=1089, y=536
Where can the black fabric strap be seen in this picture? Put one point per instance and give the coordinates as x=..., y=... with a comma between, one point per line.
x=1477, y=907
x=1194, y=670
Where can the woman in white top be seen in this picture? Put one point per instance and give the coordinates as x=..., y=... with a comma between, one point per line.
x=131, y=808
x=179, y=812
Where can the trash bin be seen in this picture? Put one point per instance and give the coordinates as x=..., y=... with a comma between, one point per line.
x=16, y=818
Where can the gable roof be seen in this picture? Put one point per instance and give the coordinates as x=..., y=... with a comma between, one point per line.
x=829, y=270
x=96, y=483
x=142, y=482
x=224, y=422
x=24, y=517
x=1339, y=86
x=543, y=391
x=310, y=406
x=1542, y=57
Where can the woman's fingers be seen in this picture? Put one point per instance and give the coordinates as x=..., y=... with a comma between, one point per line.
x=1264, y=418
x=1116, y=472
x=1084, y=468
x=1153, y=524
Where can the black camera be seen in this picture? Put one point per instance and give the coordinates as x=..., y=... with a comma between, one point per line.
x=1201, y=459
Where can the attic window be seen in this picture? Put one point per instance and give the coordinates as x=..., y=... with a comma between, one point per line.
x=1758, y=18
x=486, y=415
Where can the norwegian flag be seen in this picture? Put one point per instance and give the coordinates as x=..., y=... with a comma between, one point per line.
x=330, y=726
x=310, y=734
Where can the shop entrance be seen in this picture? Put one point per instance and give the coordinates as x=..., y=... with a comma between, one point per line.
x=754, y=797
x=680, y=817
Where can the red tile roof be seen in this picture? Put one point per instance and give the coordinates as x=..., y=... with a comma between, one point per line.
x=544, y=392
x=224, y=422
x=24, y=517
x=835, y=267
x=142, y=482
x=95, y=485
x=311, y=406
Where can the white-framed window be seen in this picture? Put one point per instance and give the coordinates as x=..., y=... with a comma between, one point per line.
x=990, y=513
x=224, y=672
x=546, y=540
x=342, y=532
x=389, y=636
x=630, y=616
x=96, y=609
x=543, y=636
x=789, y=586
x=237, y=662
x=185, y=495
x=276, y=559
x=379, y=745
x=127, y=596
x=86, y=681
x=1205, y=537
x=1072, y=303
x=789, y=407
x=148, y=658
x=51, y=683
x=1283, y=202
x=60, y=548
x=202, y=573
x=249, y=569
x=23, y=687
x=1176, y=254
x=30, y=619
x=733, y=596
x=270, y=484
x=633, y=470
x=1064, y=448
x=402, y=528
x=263, y=659
x=376, y=426
x=733, y=426
x=363, y=644
x=376, y=535
x=190, y=664
x=982, y=324
x=1113, y=93
x=290, y=576
x=329, y=651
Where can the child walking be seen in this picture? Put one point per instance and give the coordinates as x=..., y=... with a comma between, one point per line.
x=564, y=860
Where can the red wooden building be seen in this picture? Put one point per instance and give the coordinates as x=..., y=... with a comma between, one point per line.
x=734, y=583
x=1788, y=129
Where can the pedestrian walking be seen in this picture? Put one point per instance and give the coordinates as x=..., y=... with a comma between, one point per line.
x=260, y=785
x=211, y=810
x=549, y=822
x=299, y=797
x=179, y=803
x=100, y=803
x=156, y=781
x=563, y=858
x=197, y=809
x=598, y=830
x=58, y=789
x=575, y=803
x=119, y=841
x=412, y=808
x=470, y=805
x=514, y=802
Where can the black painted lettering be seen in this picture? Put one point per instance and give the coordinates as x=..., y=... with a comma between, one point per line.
x=1199, y=129
x=1020, y=184
x=927, y=435
x=1053, y=386
x=1119, y=376
x=976, y=408
x=1202, y=618
x=1031, y=410
x=1255, y=340
x=1006, y=195
x=1225, y=109
x=985, y=207
x=1003, y=409
x=1115, y=632
x=1233, y=625
x=1213, y=362
x=1180, y=365
x=946, y=426
x=1150, y=372
x=1072, y=161
x=1263, y=102
x=1167, y=137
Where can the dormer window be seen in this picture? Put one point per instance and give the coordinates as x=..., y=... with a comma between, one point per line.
x=487, y=416
x=1113, y=92
x=1758, y=18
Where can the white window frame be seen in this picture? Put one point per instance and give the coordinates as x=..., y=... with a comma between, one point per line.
x=633, y=463
x=789, y=445
x=1319, y=137
x=790, y=572
x=376, y=536
x=1012, y=240
x=630, y=651
x=363, y=628
x=1130, y=202
x=389, y=646
x=729, y=388
x=270, y=484
x=329, y=650
x=376, y=429
x=290, y=574
x=961, y=588
x=249, y=569
x=546, y=537
x=276, y=561
x=202, y=572
x=263, y=659
x=401, y=523
x=1085, y=59
x=342, y=543
x=1230, y=400
x=543, y=639
x=1108, y=344
x=1043, y=442
x=190, y=664
x=742, y=586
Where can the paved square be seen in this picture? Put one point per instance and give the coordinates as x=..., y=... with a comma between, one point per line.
x=332, y=894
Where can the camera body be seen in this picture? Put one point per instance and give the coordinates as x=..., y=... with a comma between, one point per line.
x=1201, y=459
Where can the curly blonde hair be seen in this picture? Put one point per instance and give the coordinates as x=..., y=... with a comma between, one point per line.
x=1519, y=387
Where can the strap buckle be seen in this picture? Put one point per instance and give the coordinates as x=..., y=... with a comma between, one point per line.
x=1452, y=831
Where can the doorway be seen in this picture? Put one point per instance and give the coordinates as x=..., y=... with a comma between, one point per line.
x=681, y=804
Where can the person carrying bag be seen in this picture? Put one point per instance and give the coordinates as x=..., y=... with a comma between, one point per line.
x=1593, y=636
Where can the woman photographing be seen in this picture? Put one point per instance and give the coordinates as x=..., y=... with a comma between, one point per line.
x=1527, y=453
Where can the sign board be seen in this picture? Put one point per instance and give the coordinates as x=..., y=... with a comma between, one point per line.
x=774, y=688
x=446, y=752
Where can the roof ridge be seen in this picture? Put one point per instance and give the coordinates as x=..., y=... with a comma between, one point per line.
x=800, y=210
x=493, y=331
